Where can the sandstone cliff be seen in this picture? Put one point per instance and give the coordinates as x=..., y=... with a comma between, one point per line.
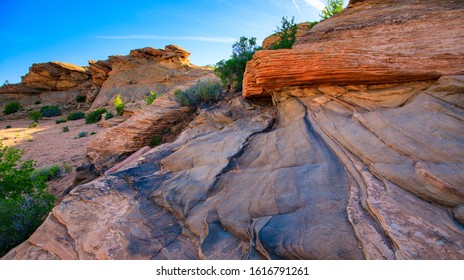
x=362, y=158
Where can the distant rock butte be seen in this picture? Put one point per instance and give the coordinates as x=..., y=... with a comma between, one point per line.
x=356, y=168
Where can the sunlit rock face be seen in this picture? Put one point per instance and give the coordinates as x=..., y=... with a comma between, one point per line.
x=359, y=156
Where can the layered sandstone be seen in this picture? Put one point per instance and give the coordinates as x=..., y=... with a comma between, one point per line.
x=353, y=169
x=55, y=76
x=371, y=42
x=143, y=70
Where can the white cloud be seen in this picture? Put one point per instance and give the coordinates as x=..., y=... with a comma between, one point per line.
x=318, y=4
x=297, y=7
x=178, y=38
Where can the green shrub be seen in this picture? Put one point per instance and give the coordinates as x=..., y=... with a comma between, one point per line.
x=231, y=71
x=75, y=116
x=332, y=7
x=108, y=115
x=33, y=125
x=81, y=134
x=50, y=111
x=286, y=33
x=24, y=201
x=95, y=116
x=67, y=168
x=65, y=129
x=119, y=105
x=12, y=107
x=81, y=98
x=35, y=115
x=150, y=98
x=204, y=92
x=47, y=173
x=60, y=121
x=38, y=102
x=8, y=126
x=155, y=141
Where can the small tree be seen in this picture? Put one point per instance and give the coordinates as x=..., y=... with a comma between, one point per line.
x=287, y=34
x=231, y=71
x=24, y=199
x=332, y=7
x=119, y=105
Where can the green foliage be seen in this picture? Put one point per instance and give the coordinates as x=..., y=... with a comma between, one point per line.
x=35, y=115
x=332, y=7
x=108, y=115
x=65, y=129
x=119, y=105
x=12, y=107
x=50, y=111
x=47, y=173
x=150, y=98
x=93, y=133
x=8, y=126
x=33, y=125
x=95, y=116
x=67, y=168
x=204, y=92
x=81, y=134
x=60, y=121
x=231, y=71
x=287, y=34
x=6, y=83
x=155, y=141
x=75, y=116
x=38, y=102
x=24, y=200
x=81, y=98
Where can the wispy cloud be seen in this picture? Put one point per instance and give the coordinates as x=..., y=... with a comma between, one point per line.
x=297, y=7
x=318, y=4
x=177, y=38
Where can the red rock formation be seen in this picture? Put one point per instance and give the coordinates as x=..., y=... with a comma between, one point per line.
x=55, y=76
x=381, y=44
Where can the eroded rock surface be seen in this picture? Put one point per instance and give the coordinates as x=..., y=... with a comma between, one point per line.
x=350, y=170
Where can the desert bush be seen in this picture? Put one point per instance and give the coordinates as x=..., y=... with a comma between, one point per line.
x=67, y=168
x=60, y=121
x=95, y=116
x=35, y=115
x=332, y=7
x=38, y=102
x=81, y=98
x=75, y=116
x=81, y=134
x=24, y=200
x=8, y=126
x=150, y=98
x=108, y=115
x=119, y=105
x=286, y=33
x=231, y=71
x=12, y=107
x=50, y=111
x=65, y=129
x=33, y=125
x=155, y=141
x=47, y=173
x=204, y=92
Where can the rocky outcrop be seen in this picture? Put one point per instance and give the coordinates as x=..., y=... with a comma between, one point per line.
x=353, y=169
x=55, y=76
x=143, y=70
x=371, y=42
x=116, y=143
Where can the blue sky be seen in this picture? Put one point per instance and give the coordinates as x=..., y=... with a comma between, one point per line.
x=77, y=31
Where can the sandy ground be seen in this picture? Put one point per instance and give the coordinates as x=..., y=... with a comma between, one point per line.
x=48, y=145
